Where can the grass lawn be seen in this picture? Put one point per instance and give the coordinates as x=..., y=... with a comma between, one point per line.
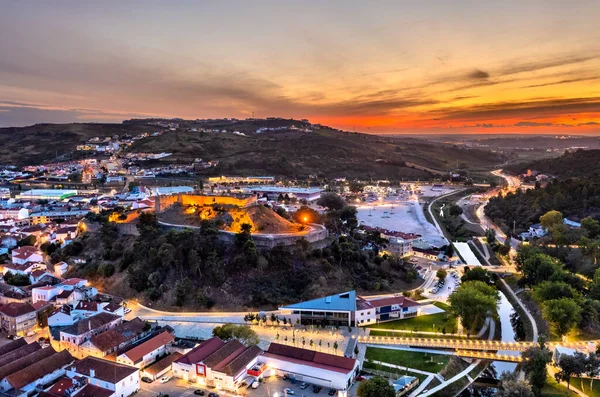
x=417, y=360
x=553, y=389
x=416, y=335
x=576, y=382
x=432, y=322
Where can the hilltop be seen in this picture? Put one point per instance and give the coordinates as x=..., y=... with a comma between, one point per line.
x=280, y=147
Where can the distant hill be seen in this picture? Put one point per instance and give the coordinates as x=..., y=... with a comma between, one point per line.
x=575, y=164
x=281, y=147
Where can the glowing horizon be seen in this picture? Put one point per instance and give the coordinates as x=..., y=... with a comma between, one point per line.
x=385, y=67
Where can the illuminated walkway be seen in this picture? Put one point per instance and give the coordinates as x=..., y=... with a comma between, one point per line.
x=464, y=344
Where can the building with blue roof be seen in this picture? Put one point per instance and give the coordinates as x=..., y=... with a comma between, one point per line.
x=405, y=384
x=329, y=310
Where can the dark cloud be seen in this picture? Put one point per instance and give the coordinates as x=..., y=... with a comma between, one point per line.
x=544, y=64
x=478, y=74
x=547, y=107
x=567, y=81
x=532, y=124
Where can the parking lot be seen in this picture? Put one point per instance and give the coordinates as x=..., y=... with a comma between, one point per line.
x=274, y=387
x=270, y=387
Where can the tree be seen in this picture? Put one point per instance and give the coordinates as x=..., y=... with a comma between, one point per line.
x=591, y=227
x=473, y=301
x=441, y=274
x=548, y=290
x=540, y=267
x=563, y=314
x=511, y=386
x=535, y=360
x=29, y=240
x=331, y=201
x=592, y=368
x=477, y=273
x=551, y=219
x=375, y=387
x=570, y=366
x=243, y=333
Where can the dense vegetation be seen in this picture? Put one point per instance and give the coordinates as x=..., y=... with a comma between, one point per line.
x=574, y=198
x=576, y=164
x=193, y=268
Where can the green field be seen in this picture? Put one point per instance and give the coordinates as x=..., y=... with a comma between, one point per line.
x=553, y=389
x=417, y=360
x=433, y=322
x=595, y=392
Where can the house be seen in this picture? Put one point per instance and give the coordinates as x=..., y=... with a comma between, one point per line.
x=36, y=276
x=73, y=336
x=86, y=309
x=23, y=269
x=405, y=384
x=398, y=247
x=148, y=351
x=66, y=233
x=122, y=379
x=219, y=364
x=305, y=365
x=45, y=293
x=572, y=224
x=537, y=230
x=18, y=318
x=76, y=386
x=387, y=309
x=26, y=254
x=114, y=308
x=61, y=268
x=61, y=317
x=121, y=336
x=162, y=366
x=38, y=374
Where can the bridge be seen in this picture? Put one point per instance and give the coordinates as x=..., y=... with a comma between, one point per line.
x=470, y=348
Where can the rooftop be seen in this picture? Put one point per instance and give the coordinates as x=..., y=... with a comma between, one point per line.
x=122, y=333
x=311, y=358
x=137, y=353
x=87, y=324
x=105, y=370
x=160, y=365
x=39, y=369
x=200, y=352
x=346, y=301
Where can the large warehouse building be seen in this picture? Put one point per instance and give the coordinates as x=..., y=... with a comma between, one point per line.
x=47, y=194
x=348, y=309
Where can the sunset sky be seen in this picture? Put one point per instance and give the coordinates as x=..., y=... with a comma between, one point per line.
x=374, y=66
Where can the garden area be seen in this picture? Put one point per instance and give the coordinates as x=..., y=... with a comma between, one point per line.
x=418, y=360
x=440, y=322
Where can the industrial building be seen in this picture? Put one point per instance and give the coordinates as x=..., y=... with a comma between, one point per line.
x=47, y=194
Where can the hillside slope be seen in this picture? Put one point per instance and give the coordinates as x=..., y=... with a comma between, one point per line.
x=576, y=164
x=288, y=148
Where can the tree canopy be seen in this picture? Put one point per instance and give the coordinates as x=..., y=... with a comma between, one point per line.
x=473, y=301
x=375, y=387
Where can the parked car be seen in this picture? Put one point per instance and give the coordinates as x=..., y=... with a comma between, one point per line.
x=316, y=389
x=127, y=311
x=303, y=385
x=255, y=385
x=332, y=392
x=165, y=379
x=199, y=392
x=213, y=395
x=288, y=391
x=146, y=379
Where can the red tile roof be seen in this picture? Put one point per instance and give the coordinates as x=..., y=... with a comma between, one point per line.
x=162, y=364
x=12, y=345
x=200, y=352
x=18, y=353
x=17, y=309
x=95, y=391
x=25, y=361
x=38, y=370
x=137, y=353
x=396, y=300
x=87, y=306
x=311, y=358
x=124, y=332
x=105, y=370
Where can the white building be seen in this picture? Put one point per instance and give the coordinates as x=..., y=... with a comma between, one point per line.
x=122, y=379
x=47, y=194
x=146, y=352
x=26, y=254
x=305, y=365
